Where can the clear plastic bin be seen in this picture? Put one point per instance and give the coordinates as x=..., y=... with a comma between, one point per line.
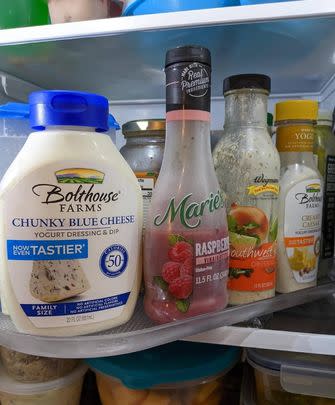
x=63, y=391
x=62, y=11
x=26, y=368
x=14, y=130
x=113, y=127
x=292, y=378
x=180, y=373
x=139, y=7
x=251, y=2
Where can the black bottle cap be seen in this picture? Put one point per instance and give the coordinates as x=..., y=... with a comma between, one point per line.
x=190, y=53
x=247, y=81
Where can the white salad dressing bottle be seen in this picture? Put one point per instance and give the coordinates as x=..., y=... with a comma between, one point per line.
x=71, y=222
x=248, y=168
x=300, y=203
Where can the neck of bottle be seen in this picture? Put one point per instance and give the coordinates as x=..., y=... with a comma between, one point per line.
x=187, y=142
x=246, y=107
x=291, y=158
x=69, y=128
x=188, y=88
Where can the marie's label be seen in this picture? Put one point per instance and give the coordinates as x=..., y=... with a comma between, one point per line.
x=328, y=226
x=253, y=237
x=302, y=229
x=188, y=212
x=72, y=244
x=190, y=252
x=147, y=181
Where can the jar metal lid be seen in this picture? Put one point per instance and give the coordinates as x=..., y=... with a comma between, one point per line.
x=151, y=127
x=247, y=81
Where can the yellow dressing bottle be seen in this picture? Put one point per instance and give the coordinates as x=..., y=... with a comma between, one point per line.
x=301, y=197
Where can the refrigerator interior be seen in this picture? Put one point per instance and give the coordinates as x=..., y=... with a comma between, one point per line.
x=122, y=59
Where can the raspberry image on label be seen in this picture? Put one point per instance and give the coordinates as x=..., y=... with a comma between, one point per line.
x=186, y=269
x=180, y=252
x=185, y=288
x=176, y=278
x=181, y=287
x=171, y=271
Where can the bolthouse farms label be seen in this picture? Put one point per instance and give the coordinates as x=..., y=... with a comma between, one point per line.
x=302, y=229
x=72, y=240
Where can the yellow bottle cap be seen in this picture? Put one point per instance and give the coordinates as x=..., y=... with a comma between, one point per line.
x=297, y=110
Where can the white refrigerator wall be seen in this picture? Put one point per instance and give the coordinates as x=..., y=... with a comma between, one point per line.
x=129, y=111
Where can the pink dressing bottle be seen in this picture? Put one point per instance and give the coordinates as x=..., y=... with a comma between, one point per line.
x=186, y=240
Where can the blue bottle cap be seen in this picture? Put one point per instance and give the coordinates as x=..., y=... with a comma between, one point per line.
x=15, y=111
x=68, y=108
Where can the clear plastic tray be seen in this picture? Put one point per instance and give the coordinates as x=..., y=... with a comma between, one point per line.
x=140, y=333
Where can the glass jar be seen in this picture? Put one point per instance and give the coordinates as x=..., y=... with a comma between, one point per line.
x=324, y=154
x=143, y=151
x=301, y=194
x=247, y=165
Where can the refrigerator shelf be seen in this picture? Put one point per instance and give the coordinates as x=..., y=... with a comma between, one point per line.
x=122, y=58
x=140, y=333
x=307, y=328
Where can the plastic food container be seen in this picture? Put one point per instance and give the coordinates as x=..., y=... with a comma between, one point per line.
x=62, y=11
x=23, y=13
x=179, y=373
x=27, y=368
x=113, y=127
x=63, y=391
x=139, y=7
x=14, y=129
x=292, y=378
